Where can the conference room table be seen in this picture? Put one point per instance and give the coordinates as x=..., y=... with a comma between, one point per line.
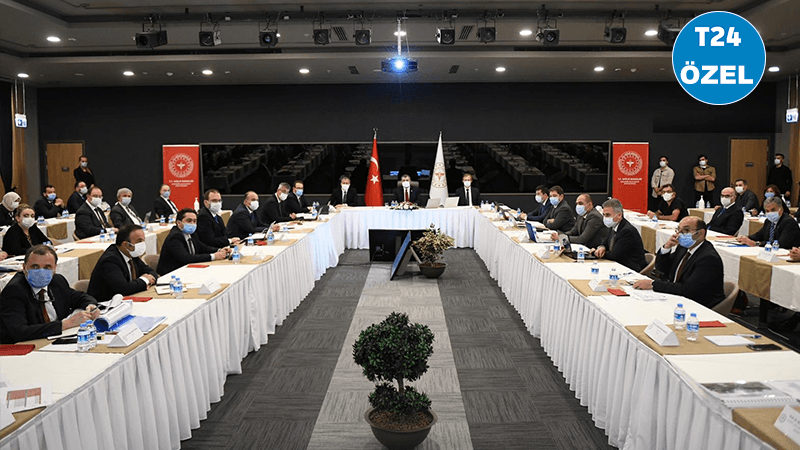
x=152, y=394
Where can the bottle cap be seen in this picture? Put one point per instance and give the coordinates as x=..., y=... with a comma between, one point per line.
x=680, y=305
x=693, y=314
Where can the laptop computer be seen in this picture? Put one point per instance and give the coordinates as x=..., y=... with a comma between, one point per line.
x=531, y=231
x=568, y=252
x=451, y=202
x=434, y=203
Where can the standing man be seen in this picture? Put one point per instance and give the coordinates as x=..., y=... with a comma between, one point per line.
x=780, y=175
x=296, y=203
x=163, y=206
x=123, y=213
x=468, y=195
x=704, y=177
x=78, y=197
x=49, y=206
x=83, y=172
x=405, y=193
x=661, y=177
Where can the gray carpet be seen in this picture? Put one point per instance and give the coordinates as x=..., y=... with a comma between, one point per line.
x=511, y=393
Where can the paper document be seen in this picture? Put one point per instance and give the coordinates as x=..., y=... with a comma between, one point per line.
x=147, y=323
x=647, y=296
x=748, y=395
x=728, y=341
x=23, y=398
x=791, y=387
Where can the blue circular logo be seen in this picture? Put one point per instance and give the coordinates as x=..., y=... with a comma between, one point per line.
x=719, y=58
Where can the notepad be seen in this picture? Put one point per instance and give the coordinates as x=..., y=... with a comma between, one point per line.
x=728, y=341
x=712, y=324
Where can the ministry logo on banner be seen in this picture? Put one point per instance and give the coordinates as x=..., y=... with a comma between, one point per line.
x=181, y=165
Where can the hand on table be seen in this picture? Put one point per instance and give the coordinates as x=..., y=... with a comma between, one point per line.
x=794, y=254
x=650, y=214
x=235, y=241
x=59, y=202
x=78, y=318
x=600, y=252
x=3, y=255
x=220, y=255
x=643, y=284
x=746, y=241
x=151, y=280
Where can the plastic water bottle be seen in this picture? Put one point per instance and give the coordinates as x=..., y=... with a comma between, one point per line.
x=161, y=221
x=761, y=214
x=103, y=236
x=519, y=212
x=767, y=247
x=236, y=257
x=708, y=205
x=144, y=225
x=49, y=244
x=92, y=333
x=493, y=206
x=172, y=218
x=83, y=339
x=65, y=214
x=111, y=236
x=595, y=269
x=249, y=241
x=581, y=256
x=655, y=219
x=701, y=203
x=613, y=277
x=679, y=317
x=270, y=237
x=40, y=220
x=775, y=246
x=557, y=245
x=172, y=286
x=692, y=328
x=178, y=288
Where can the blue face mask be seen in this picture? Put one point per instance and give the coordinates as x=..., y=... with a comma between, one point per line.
x=51, y=197
x=773, y=216
x=39, y=278
x=685, y=240
x=298, y=193
x=609, y=222
x=165, y=194
x=189, y=228
x=580, y=209
x=769, y=194
x=554, y=201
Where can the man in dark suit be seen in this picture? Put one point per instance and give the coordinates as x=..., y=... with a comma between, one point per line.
x=90, y=220
x=745, y=198
x=623, y=243
x=728, y=218
x=244, y=220
x=210, y=226
x=120, y=270
x=274, y=208
x=296, y=203
x=780, y=226
x=691, y=266
x=163, y=206
x=49, y=206
x=37, y=302
x=405, y=193
x=77, y=198
x=542, y=207
x=560, y=218
x=588, y=229
x=123, y=213
x=83, y=172
x=345, y=194
x=181, y=248
x=468, y=195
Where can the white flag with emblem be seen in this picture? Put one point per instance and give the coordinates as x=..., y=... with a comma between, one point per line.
x=439, y=178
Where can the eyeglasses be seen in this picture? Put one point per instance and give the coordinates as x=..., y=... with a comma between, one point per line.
x=686, y=230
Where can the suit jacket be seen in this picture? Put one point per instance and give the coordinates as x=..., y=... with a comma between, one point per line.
x=563, y=218
x=400, y=196
x=588, y=230
x=162, y=208
x=627, y=249
x=727, y=220
x=21, y=316
x=336, y=197
x=45, y=208
x=6, y=216
x=783, y=207
x=273, y=211
x=15, y=243
x=175, y=252
x=87, y=223
x=462, y=196
x=538, y=215
x=120, y=217
x=787, y=232
x=702, y=276
x=211, y=230
x=748, y=201
x=243, y=223
x=296, y=205
x=112, y=275
x=86, y=177
x=75, y=201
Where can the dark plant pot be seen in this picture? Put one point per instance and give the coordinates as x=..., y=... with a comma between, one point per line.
x=434, y=270
x=400, y=440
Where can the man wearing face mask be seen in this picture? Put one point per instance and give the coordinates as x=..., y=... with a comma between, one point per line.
x=691, y=266
x=77, y=198
x=24, y=234
x=120, y=270
x=274, y=208
x=780, y=226
x=296, y=203
x=37, y=302
x=345, y=194
x=163, y=206
x=181, y=247
x=670, y=207
x=542, y=207
x=83, y=172
x=560, y=218
x=623, y=243
x=90, y=220
x=728, y=218
x=245, y=221
x=405, y=193
x=746, y=200
x=123, y=213
x=10, y=204
x=588, y=229
x=468, y=195
x=704, y=177
x=210, y=226
x=49, y=206
x=661, y=177
x=780, y=175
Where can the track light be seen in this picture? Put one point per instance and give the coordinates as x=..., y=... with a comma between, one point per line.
x=268, y=38
x=667, y=33
x=151, y=39
x=548, y=36
x=363, y=37
x=209, y=38
x=322, y=36
x=446, y=36
x=615, y=35
x=487, y=34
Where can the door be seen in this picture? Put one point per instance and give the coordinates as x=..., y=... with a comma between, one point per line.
x=749, y=161
x=62, y=159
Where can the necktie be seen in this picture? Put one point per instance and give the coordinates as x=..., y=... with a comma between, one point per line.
x=172, y=207
x=469, y=196
x=406, y=194
x=133, y=268
x=253, y=218
x=772, y=233
x=45, y=314
x=682, y=266
x=133, y=215
x=611, y=241
x=218, y=219
x=191, y=247
x=344, y=196
x=100, y=217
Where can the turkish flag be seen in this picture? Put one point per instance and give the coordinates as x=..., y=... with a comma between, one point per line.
x=374, y=193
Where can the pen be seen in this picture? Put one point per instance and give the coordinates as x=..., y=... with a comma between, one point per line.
x=751, y=336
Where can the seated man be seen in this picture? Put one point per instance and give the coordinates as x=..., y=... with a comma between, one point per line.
x=274, y=208
x=543, y=205
x=48, y=206
x=180, y=248
x=24, y=234
x=90, y=220
x=780, y=226
x=588, y=229
x=37, y=302
x=120, y=270
x=670, y=207
x=560, y=218
x=163, y=206
x=296, y=203
x=623, y=243
x=123, y=213
x=468, y=195
x=345, y=194
x=746, y=200
x=728, y=218
x=9, y=205
x=405, y=193
x=77, y=198
x=210, y=226
x=244, y=221
x=691, y=266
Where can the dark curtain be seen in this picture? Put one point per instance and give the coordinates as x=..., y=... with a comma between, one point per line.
x=6, y=134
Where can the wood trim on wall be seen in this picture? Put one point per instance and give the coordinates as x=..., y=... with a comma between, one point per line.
x=20, y=177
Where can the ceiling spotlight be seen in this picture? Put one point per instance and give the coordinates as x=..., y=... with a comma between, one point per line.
x=599, y=69
x=22, y=75
x=446, y=36
x=548, y=36
x=210, y=38
x=268, y=38
x=363, y=37
x=615, y=35
x=525, y=32
x=667, y=33
x=399, y=65
x=322, y=36
x=53, y=39
x=774, y=69
x=500, y=69
x=128, y=73
x=151, y=39
x=208, y=72
x=400, y=33
x=303, y=71
x=651, y=33
x=487, y=34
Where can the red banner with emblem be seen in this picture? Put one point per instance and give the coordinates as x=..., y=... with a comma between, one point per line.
x=629, y=163
x=182, y=173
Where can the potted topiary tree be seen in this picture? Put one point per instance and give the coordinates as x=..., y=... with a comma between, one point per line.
x=429, y=248
x=389, y=351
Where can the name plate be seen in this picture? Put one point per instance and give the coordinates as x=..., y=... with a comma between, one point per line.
x=661, y=334
x=788, y=423
x=126, y=335
x=598, y=285
x=209, y=286
x=544, y=253
x=768, y=256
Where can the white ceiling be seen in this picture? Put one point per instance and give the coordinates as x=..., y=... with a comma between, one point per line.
x=97, y=41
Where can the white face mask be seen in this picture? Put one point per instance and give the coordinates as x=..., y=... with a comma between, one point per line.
x=739, y=189
x=725, y=201
x=138, y=249
x=667, y=196
x=15, y=205
x=663, y=163
x=84, y=164
x=27, y=222
x=538, y=198
x=125, y=201
x=215, y=208
x=254, y=205
x=608, y=222
x=97, y=201
x=406, y=184
x=283, y=196
x=345, y=187
x=703, y=163
x=777, y=161
x=83, y=190
x=467, y=183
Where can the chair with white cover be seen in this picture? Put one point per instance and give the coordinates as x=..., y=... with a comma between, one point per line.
x=731, y=292
x=651, y=263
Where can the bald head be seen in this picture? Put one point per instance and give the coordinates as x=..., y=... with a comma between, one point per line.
x=585, y=200
x=729, y=191
x=694, y=225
